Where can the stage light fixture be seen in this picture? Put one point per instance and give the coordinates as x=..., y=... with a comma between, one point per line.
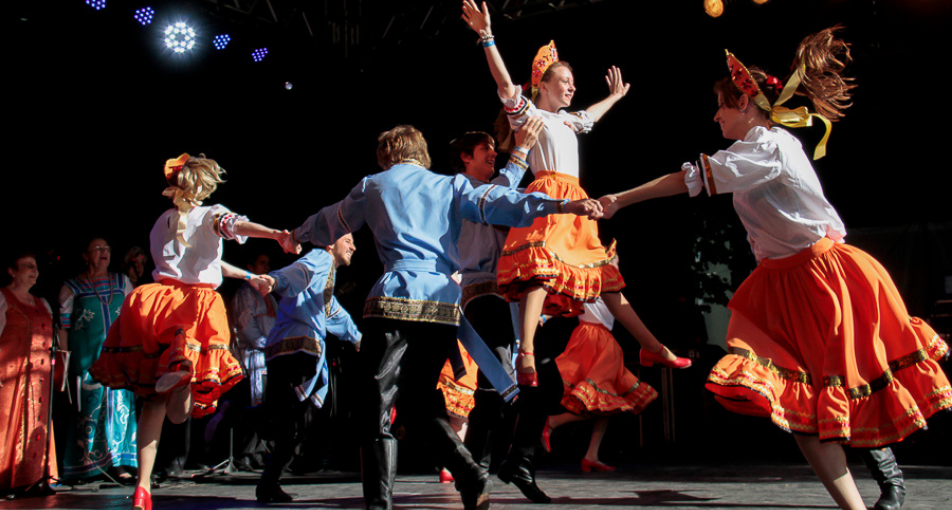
x=259, y=54
x=96, y=4
x=179, y=37
x=221, y=40
x=144, y=15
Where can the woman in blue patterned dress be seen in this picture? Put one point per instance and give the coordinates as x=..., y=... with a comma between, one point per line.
x=103, y=435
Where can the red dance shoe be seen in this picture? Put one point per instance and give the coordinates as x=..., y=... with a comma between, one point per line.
x=141, y=500
x=649, y=358
x=594, y=465
x=446, y=476
x=175, y=380
x=526, y=376
x=546, y=434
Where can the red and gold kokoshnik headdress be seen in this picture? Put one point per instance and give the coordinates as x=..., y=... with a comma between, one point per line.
x=545, y=57
x=799, y=117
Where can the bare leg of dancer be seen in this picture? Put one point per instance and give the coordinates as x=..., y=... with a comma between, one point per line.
x=624, y=313
x=530, y=309
x=828, y=460
x=179, y=404
x=147, y=439
x=598, y=433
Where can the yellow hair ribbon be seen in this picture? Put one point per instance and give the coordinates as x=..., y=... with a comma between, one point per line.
x=799, y=117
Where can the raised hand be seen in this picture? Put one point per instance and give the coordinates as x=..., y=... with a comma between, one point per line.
x=587, y=207
x=476, y=19
x=528, y=134
x=610, y=205
x=616, y=86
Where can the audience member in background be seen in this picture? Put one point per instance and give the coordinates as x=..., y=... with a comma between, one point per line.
x=133, y=266
x=102, y=435
x=26, y=335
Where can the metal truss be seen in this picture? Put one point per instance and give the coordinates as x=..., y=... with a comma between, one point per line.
x=357, y=28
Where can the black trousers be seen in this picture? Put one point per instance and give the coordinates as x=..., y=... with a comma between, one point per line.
x=288, y=421
x=405, y=358
x=491, y=318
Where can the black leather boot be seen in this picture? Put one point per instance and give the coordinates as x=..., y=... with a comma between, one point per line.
x=485, y=417
x=884, y=469
x=520, y=472
x=378, y=470
x=472, y=481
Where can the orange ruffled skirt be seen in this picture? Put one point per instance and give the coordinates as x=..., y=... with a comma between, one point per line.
x=595, y=378
x=822, y=343
x=561, y=252
x=136, y=352
x=458, y=394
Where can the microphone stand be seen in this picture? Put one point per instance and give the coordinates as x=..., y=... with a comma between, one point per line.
x=42, y=487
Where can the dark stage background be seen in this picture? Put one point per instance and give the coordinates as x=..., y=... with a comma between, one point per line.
x=96, y=105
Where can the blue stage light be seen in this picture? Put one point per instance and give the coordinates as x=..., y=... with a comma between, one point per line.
x=96, y=4
x=259, y=54
x=144, y=15
x=221, y=40
x=179, y=37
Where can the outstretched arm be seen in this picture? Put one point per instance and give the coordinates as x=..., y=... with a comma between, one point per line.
x=261, y=282
x=617, y=89
x=479, y=21
x=665, y=186
x=283, y=237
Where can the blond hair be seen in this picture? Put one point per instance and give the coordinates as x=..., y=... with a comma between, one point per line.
x=200, y=177
x=401, y=143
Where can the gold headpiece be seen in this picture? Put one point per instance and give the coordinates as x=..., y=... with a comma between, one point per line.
x=545, y=57
x=799, y=117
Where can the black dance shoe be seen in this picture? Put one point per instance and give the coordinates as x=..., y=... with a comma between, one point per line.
x=521, y=474
x=476, y=497
x=268, y=493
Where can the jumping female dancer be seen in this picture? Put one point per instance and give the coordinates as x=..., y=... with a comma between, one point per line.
x=820, y=340
x=597, y=384
x=558, y=263
x=170, y=342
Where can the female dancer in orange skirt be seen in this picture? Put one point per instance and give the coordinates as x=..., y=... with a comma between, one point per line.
x=597, y=384
x=459, y=394
x=820, y=340
x=170, y=342
x=556, y=264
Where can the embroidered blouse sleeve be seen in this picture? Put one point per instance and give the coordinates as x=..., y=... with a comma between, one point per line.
x=66, y=306
x=745, y=165
x=334, y=221
x=518, y=110
x=223, y=223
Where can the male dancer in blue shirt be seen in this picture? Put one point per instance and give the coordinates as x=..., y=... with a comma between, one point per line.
x=295, y=353
x=412, y=313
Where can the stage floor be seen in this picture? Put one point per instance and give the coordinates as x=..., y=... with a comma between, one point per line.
x=707, y=486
